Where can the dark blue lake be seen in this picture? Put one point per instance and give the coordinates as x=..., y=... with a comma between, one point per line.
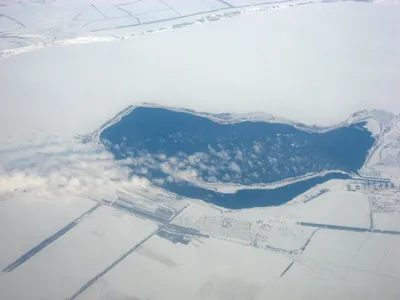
x=250, y=198
x=160, y=141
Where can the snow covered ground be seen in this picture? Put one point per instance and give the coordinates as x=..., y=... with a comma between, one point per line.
x=310, y=278
x=59, y=270
x=344, y=265
x=27, y=23
x=321, y=242
x=212, y=66
x=159, y=270
x=341, y=263
x=26, y=220
x=385, y=160
x=74, y=225
x=387, y=221
x=337, y=207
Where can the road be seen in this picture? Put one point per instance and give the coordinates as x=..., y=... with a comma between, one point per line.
x=347, y=228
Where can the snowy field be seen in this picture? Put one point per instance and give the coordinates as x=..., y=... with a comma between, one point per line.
x=337, y=208
x=29, y=24
x=59, y=270
x=75, y=225
x=212, y=66
x=223, y=271
x=26, y=220
x=344, y=265
x=189, y=249
x=387, y=221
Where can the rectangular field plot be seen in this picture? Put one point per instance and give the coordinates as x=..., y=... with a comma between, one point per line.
x=387, y=221
x=335, y=246
x=391, y=263
x=62, y=268
x=336, y=208
x=373, y=252
x=205, y=268
x=331, y=282
x=110, y=24
x=142, y=7
x=343, y=265
x=238, y=3
x=157, y=16
x=193, y=7
x=25, y=221
x=368, y=252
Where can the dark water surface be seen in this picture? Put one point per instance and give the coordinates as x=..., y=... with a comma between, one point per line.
x=241, y=153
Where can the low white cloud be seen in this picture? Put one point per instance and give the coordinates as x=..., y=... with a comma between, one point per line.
x=226, y=177
x=65, y=168
x=158, y=181
x=234, y=167
x=166, y=167
x=223, y=155
x=20, y=180
x=257, y=146
x=187, y=174
x=238, y=155
x=161, y=157
x=140, y=181
x=173, y=160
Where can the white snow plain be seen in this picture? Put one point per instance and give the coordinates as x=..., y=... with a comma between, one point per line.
x=26, y=220
x=223, y=270
x=316, y=64
x=260, y=253
x=333, y=59
x=60, y=269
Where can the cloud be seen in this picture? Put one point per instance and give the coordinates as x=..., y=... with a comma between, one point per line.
x=226, y=177
x=140, y=181
x=158, y=181
x=234, y=167
x=203, y=166
x=257, y=146
x=223, y=155
x=238, y=155
x=162, y=157
x=255, y=175
x=199, y=157
x=66, y=167
x=166, y=168
x=19, y=180
x=173, y=160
